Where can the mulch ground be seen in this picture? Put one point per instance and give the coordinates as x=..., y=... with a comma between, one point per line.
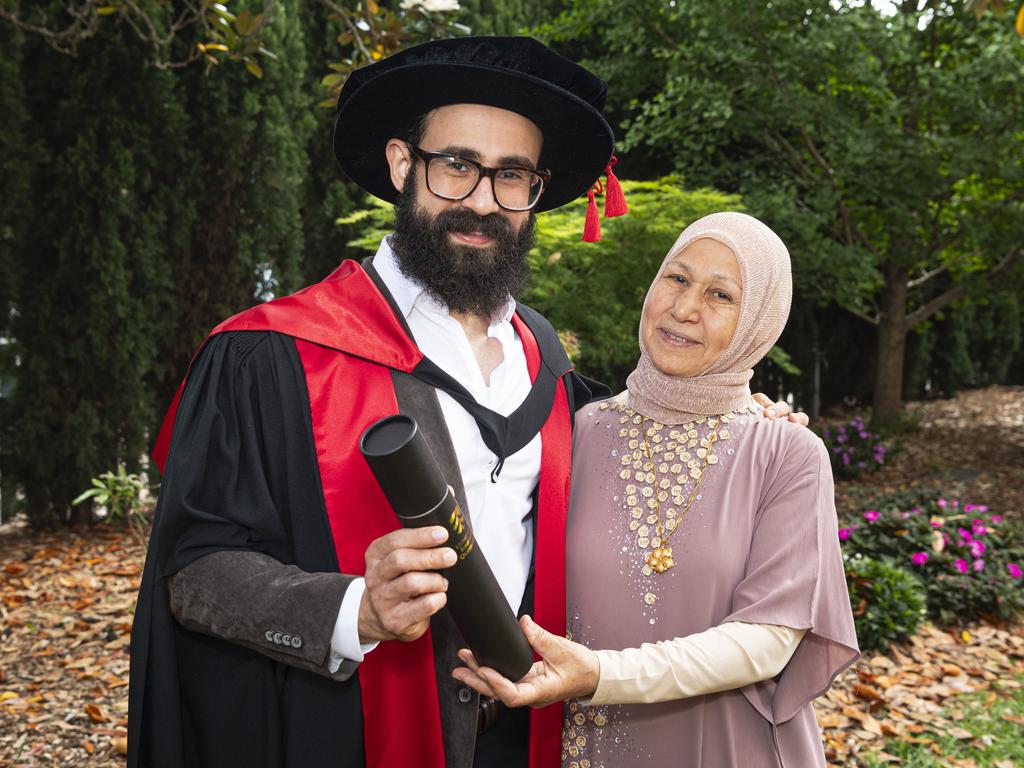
x=66, y=603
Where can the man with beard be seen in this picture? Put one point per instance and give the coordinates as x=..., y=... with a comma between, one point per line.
x=283, y=618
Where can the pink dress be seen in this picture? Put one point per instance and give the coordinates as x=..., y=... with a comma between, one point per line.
x=758, y=543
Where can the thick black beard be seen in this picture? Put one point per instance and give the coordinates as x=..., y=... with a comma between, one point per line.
x=465, y=279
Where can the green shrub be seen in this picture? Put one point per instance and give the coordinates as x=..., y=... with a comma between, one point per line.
x=968, y=559
x=888, y=602
x=120, y=496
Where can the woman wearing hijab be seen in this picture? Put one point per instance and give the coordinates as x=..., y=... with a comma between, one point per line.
x=702, y=539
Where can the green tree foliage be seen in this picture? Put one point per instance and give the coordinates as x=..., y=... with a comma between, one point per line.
x=155, y=204
x=107, y=201
x=886, y=149
x=507, y=17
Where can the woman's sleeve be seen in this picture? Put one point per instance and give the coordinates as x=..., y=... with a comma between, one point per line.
x=719, y=659
x=794, y=577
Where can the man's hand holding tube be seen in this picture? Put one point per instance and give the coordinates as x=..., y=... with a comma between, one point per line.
x=566, y=670
x=403, y=588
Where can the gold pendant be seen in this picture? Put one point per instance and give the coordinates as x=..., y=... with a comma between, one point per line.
x=660, y=559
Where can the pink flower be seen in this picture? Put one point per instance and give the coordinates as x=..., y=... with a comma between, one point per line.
x=961, y=565
x=941, y=503
x=977, y=548
x=871, y=515
x=968, y=508
x=844, y=534
x=979, y=565
x=965, y=535
x=935, y=522
x=978, y=529
x=1014, y=570
x=981, y=508
x=955, y=503
x=919, y=558
x=996, y=519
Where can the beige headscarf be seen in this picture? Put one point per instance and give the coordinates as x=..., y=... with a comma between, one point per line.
x=764, y=308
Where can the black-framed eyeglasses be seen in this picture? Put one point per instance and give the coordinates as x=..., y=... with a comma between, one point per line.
x=455, y=178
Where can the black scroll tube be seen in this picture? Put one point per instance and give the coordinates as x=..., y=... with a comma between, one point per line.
x=405, y=468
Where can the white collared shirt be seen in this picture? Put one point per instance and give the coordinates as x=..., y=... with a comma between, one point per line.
x=500, y=511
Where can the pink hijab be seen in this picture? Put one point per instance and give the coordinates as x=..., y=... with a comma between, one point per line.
x=767, y=291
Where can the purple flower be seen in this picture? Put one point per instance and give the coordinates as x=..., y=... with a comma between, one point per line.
x=862, y=465
x=824, y=435
x=871, y=515
x=1014, y=570
x=919, y=558
x=979, y=565
x=977, y=548
x=846, y=459
x=836, y=449
x=841, y=438
x=863, y=435
x=961, y=565
x=845, y=533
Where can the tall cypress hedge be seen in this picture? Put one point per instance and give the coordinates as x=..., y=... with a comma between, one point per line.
x=107, y=201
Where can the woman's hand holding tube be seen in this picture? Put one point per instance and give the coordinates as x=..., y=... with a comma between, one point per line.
x=567, y=670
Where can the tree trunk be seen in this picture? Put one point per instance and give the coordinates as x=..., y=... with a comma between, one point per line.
x=892, y=344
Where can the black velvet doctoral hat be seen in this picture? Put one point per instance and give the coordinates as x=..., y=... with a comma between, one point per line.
x=381, y=101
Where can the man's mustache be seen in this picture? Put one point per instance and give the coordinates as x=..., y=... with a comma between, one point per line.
x=493, y=225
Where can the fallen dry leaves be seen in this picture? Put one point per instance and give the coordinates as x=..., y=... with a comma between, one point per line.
x=66, y=605
x=903, y=693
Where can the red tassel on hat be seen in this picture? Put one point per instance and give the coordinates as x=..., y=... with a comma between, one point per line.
x=614, y=198
x=592, y=228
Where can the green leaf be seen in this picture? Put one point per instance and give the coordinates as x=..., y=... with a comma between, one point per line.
x=87, y=495
x=245, y=23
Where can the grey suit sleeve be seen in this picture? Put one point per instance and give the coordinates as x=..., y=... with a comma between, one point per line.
x=251, y=599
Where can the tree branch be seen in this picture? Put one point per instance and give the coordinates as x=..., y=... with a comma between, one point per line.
x=942, y=301
x=927, y=276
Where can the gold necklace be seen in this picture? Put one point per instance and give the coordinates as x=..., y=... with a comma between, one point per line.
x=659, y=559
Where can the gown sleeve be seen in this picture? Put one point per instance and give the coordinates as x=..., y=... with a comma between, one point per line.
x=794, y=577
x=236, y=514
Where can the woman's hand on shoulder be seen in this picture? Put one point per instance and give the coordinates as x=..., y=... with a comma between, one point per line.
x=567, y=670
x=780, y=410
